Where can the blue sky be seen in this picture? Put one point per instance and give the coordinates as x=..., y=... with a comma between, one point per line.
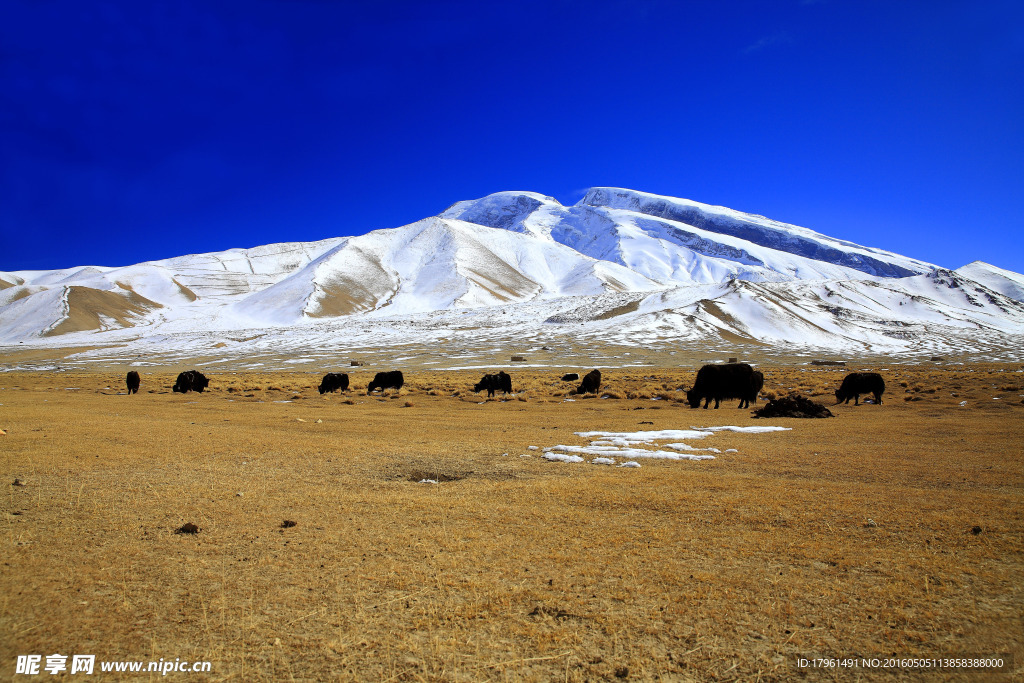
x=132, y=131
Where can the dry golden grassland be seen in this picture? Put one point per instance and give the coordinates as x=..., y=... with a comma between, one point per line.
x=892, y=529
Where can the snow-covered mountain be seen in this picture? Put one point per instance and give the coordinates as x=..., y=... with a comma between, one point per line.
x=677, y=241
x=623, y=264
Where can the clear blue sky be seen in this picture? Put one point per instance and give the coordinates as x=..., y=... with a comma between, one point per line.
x=134, y=130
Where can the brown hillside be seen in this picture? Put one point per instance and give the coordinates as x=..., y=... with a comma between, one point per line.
x=86, y=305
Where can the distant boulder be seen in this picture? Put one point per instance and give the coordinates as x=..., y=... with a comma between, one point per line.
x=793, y=405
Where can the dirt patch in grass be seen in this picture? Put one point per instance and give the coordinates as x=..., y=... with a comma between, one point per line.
x=430, y=475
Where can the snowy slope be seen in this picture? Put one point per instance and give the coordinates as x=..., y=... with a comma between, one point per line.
x=757, y=230
x=677, y=241
x=436, y=264
x=40, y=303
x=935, y=310
x=998, y=279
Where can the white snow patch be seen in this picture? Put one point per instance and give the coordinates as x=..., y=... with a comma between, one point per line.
x=610, y=445
x=623, y=453
x=745, y=430
x=647, y=436
x=689, y=448
x=561, y=457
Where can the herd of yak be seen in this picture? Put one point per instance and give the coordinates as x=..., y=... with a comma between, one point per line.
x=713, y=382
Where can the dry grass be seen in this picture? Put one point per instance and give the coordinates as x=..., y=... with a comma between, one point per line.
x=509, y=567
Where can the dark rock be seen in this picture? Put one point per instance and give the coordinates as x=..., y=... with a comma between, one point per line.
x=793, y=405
x=187, y=528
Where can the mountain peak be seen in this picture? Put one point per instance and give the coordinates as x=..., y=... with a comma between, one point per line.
x=505, y=210
x=677, y=241
x=1004, y=281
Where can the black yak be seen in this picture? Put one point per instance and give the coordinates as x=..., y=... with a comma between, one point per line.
x=333, y=381
x=133, y=381
x=857, y=383
x=499, y=382
x=733, y=380
x=570, y=377
x=386, y=380
x=591, y=383
x=190, y=380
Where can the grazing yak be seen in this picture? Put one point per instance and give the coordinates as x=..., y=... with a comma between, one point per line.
x=133, y=381
x=500, y=382
x=733, y=380
x=591, y=383
x=333, y=381
x=190, y=380
x=570, y=377
x=386, y=380
x=857, y=383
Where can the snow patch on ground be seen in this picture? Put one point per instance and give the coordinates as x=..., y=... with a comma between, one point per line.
x=608, y=446
x=561, y=457
x=605, y=451
x=745, y=430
